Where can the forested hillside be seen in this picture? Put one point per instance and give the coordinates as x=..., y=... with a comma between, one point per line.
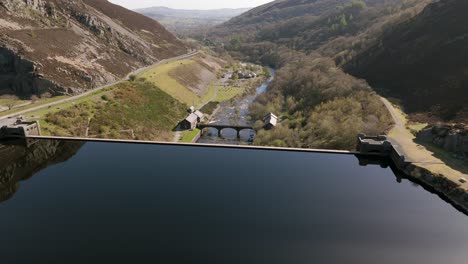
x=268, y=33
x=308, y=42
x=424, y=61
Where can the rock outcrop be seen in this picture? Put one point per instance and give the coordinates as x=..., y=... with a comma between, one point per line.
x=453, y=138
x=67, y=47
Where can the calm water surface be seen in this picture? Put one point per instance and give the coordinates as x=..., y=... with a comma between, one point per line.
x=124, y=203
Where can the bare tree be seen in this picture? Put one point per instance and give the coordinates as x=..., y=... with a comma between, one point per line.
x=34, y=98
x=9, y=100
x=46, y=95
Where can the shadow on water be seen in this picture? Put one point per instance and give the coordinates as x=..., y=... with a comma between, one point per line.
x=20, y=160
x=400, y=176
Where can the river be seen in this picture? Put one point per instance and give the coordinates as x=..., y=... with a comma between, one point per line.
x=235, y=114
x=69, y=202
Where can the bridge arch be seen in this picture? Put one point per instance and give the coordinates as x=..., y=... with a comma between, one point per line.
x=220, y=128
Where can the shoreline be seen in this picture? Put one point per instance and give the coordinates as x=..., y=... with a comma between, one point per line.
x=447, y=190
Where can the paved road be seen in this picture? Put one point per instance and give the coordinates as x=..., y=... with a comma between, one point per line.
x=404, y=140
x=399, y=123
x=73, y=98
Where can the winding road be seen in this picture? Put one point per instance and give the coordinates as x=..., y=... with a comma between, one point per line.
x=73, y=98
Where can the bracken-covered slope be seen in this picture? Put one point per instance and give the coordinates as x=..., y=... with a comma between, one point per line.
x=424, y=62
x=66, y=47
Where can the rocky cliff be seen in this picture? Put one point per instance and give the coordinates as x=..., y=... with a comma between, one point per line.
x=66, y=47
x=453, y=138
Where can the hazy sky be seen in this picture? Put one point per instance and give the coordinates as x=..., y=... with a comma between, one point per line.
x=190, y=4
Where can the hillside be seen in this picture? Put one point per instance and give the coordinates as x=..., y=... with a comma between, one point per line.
x=66, y=47
x=266, y=33
x=189, y=22
x=148, y=106
x=423, y=62
x=132, y=110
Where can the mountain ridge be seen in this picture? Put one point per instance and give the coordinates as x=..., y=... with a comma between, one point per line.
x=188, y=21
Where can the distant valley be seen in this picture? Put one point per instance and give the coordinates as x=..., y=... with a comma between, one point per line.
x=190, y=22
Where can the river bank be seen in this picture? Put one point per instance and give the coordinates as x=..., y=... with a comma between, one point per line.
x=235, y=112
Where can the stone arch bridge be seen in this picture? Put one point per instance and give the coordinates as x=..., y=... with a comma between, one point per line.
x=220, y=128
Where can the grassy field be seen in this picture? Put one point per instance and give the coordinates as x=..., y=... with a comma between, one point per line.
x=227, y=93
x=50, y=129
x=209, y=108
x=16, y=102
x=160, y=77
x=188, y=136
x=416, y=127
x=39, y=103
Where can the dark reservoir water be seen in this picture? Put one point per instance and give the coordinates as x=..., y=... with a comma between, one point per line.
x=234, y=114
x=68, y=202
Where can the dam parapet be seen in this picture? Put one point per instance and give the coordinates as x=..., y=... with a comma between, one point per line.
x=448, y=189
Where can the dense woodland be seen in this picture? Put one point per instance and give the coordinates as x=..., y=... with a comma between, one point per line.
x=308, y=42
x=320, y=106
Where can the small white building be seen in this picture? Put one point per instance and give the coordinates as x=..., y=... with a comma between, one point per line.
x=199, y=115
x=270, y=121
x=192, y=120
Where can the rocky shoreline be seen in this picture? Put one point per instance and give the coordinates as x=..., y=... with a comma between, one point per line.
x=450, y=191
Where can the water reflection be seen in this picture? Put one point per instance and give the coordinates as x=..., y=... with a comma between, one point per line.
x=20, y=160
x=137, y=203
